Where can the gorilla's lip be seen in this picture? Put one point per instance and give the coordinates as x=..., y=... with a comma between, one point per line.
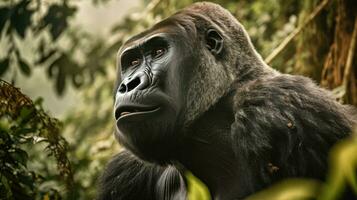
x=136, y=109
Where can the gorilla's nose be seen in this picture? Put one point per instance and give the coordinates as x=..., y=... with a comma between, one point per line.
x=139, y=81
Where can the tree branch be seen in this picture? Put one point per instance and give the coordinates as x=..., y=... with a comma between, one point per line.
x=351, y=52
x=293, y=34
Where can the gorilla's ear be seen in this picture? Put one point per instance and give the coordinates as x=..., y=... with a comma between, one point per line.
x=214, y=41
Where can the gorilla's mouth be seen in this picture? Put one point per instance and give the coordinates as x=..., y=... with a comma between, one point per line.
x=130, y=110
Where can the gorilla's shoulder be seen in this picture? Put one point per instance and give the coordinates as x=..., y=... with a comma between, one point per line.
x=289, y=121
x=287, y=91
x=288, y=109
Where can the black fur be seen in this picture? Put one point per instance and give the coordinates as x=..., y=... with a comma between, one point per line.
x=289, y=122
x=212, y=106
x=127, y=177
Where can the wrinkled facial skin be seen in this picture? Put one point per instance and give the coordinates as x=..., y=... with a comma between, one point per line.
x=149, y=95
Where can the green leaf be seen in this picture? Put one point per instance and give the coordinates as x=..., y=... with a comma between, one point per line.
x=342, y=174
x=24, y=131
x=20, y=156
x=5, y=183
x=60, y=83
x=56, y=18
x=39, y=101
x=21, y=17
x=4, y=65
x=26, y=114
x=298, y=189
x=25, y=68
x=78, y=80
x=45, y=57
x=4, y=16
x=27, y=179
x=197, y=190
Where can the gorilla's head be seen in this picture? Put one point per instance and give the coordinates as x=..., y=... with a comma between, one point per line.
x=174, y=72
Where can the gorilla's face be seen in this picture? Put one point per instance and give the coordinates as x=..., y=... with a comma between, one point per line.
x=149, y=97
x=155, y=72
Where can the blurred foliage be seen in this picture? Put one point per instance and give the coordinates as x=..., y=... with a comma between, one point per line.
x=91, y=142
x=67, y=53
x=73, y=57
x=23, y=126
x=290, y=189
x=341, y=180
x=196, y=189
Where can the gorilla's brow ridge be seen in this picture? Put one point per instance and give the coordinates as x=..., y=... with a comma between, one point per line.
x=146, y=41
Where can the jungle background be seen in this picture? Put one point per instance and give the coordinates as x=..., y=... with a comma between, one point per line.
x=57, y=71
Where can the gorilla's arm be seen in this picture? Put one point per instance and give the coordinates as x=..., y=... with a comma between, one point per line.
x=128, y=178
x=284, y=127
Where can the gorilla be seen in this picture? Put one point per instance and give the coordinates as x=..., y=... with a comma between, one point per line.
x=194, y=94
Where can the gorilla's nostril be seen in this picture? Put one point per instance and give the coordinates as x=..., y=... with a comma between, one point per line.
x=133, y=84
x=139, y=82
x=122, y=88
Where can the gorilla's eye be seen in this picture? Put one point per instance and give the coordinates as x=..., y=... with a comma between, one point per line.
x=158, y=52
x=135, y=62
x=131, y=58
